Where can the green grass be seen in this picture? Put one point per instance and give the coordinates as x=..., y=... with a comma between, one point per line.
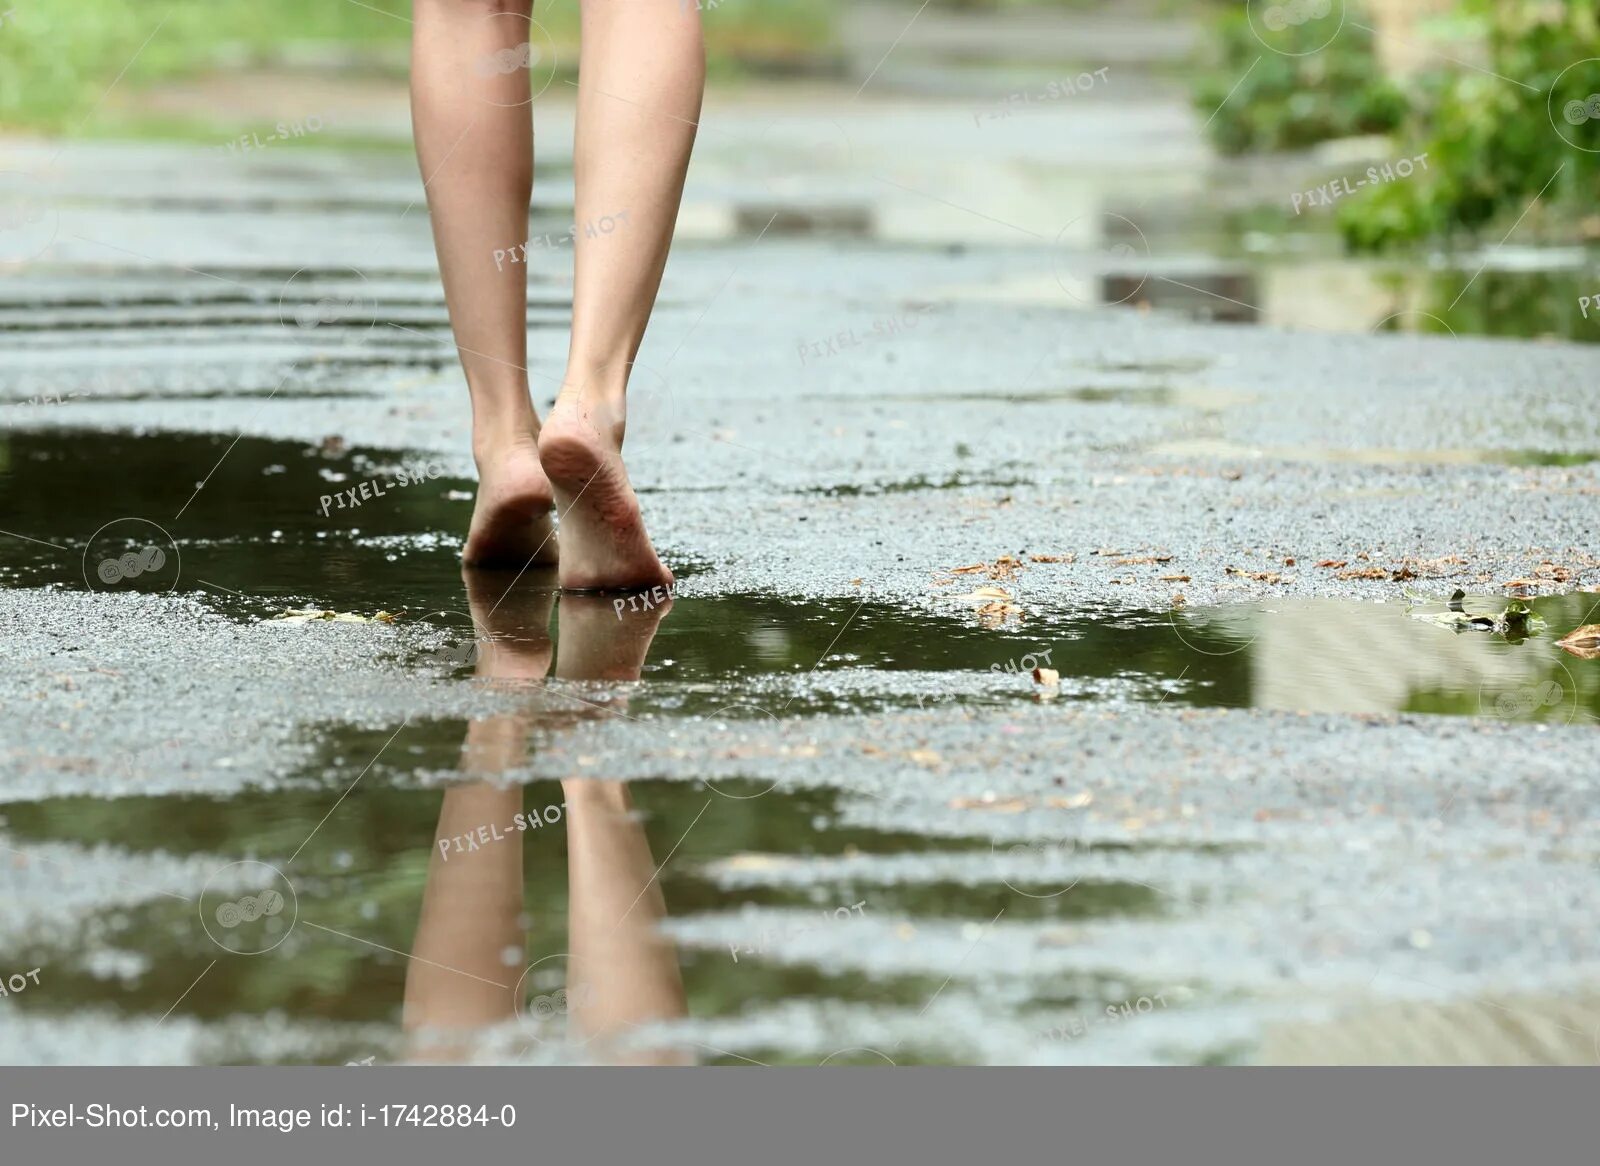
x=58, y=58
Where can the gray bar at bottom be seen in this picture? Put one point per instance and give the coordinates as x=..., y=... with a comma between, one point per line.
x=817, y=1115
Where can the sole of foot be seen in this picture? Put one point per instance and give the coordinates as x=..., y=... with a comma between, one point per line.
x=604, y=546
x=512, y=523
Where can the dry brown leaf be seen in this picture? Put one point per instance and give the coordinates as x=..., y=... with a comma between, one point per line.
x=1364, y=573
x=757, y=862
x=1258, y=576
x=1334, y=563
x=1052, y=558
x=984, y=595
x=993, y=614
x=1136, y=560
x=1175, y=578
x=1583, y=642
x=1074, y=802
x=990, y=802
x=972, y=570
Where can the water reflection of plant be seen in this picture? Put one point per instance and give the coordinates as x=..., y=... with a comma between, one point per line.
x=1490, y=138
x=1498, y=303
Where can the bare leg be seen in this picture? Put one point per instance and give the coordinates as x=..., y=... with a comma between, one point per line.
x=472, y=904
x=642, y=74
x=624, y=972
x=474, y=133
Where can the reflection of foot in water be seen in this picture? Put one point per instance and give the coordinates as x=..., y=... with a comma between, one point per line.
x=459, y=980
x=624, y=972
x=469, y=953
x=511, y=615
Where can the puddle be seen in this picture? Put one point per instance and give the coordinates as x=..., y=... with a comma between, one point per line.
x=393, y=902
x=1221, y=449
x=301, y=542
x=1166, y=396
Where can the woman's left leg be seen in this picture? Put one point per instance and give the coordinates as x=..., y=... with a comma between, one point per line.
x=474, y=131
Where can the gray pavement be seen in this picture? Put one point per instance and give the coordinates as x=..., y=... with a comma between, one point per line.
x=847, y=415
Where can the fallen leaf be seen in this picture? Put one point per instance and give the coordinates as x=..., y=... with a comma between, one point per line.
x=1052, y=558
x=1334, y=563
x=990, y=802
x=319, y=615
x=1584, y=642
x=1364, y=573
x=757, y=862
x=1175, y=578
x=984, y=595
x=1265, y=815
x=1258, y=576
x=1074, y=802
x=996, y=613
x=1136, y=560
x=1517, y=621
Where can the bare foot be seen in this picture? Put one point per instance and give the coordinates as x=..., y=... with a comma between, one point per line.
x=604, y=546
x=511, y=520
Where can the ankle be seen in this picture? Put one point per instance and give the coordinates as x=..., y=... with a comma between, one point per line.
x=599, y=399
x=491, y=446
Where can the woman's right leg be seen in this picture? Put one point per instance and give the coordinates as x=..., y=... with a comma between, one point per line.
x=640, y=79
x=474, y=132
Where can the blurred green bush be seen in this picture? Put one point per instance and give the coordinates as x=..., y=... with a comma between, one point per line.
x=59, y=57
x=1289, y=102
x=1492, y=141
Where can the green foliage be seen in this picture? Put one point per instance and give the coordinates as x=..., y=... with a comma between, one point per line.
x=58, y=59
x=1286, y=101
x=1492, y=141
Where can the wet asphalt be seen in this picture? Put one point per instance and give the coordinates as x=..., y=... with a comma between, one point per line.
x=835, y=419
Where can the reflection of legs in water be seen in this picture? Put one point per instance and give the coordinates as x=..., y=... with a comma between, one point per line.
x=625, y=973
x=472, y=902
